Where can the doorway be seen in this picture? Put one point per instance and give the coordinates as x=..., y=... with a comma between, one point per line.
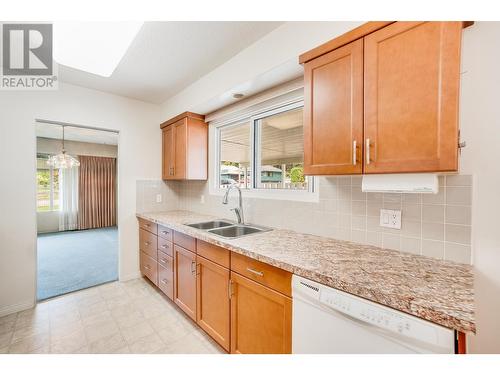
x=77, y=232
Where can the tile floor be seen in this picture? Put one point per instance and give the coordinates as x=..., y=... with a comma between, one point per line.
x=119, y=317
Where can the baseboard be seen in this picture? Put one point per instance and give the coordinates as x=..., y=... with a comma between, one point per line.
x=130, y=276
x=7, y=310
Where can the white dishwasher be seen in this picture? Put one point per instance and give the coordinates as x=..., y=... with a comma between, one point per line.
x=328, y=321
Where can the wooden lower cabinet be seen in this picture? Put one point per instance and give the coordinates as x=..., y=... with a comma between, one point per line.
x=212, y=302
x=166, y=280
x=185, y=280
x=149, y=267
x=261, y=318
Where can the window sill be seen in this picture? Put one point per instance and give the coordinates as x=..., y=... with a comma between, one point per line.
x=286, y=195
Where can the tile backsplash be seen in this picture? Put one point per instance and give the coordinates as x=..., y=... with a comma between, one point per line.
x=436, y=225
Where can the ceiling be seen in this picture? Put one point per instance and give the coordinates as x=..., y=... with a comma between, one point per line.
x=166, y=57
x=51, y=131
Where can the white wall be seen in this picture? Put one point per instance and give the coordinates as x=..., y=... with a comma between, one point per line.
x=139, y=158
x=480, y=126
x=53, y=146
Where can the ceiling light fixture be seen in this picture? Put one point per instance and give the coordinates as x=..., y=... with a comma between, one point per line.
x=62, y=160
x=94, y=47
x=238, y=96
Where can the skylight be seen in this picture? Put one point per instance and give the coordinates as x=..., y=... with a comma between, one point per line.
x=94, y=47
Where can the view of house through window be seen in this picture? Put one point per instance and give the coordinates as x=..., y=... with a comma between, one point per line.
x=47, y=185
x=235, y=155
x=277, y=144
x=281, y=151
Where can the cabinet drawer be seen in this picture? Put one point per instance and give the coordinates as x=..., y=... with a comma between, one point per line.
x=270, y=276
x=165, y=260
x=214, y=253
x=149, y=268
x=185, y=241
x=148, y=225
x=165, y=232
x=148, y=243
x=165, y=246
x=166, y=280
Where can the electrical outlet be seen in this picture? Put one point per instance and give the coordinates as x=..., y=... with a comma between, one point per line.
x=390, y=218
x=202, y=199
x=159, y=198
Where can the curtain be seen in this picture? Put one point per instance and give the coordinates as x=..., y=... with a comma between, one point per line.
x=97, y=192
x=68, y=198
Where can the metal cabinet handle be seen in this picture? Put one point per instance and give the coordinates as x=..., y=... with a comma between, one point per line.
x=147, y=243
x=354, y=152
x=164, y=232
x=163, y=261
x=230, y=288
x=258, y=273
x=147, y=267
x=164, y=281
x=164, y=246
x=147, y=225
x=367, y=150
x=193, y=267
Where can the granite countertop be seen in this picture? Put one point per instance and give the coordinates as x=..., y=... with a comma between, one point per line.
x=432, y=289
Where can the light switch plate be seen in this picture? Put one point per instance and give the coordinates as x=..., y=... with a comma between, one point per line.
x=390, y=218
x=158, y=198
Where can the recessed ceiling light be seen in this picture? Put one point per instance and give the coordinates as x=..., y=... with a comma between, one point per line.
x=94, y=47
x=238, y=96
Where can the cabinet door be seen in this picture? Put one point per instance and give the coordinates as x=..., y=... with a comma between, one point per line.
x=168, y=152
x=412, y=72
x=180, y=140
x=333, y=112
x=261, y=318
x=185, y=280
x=212, y=302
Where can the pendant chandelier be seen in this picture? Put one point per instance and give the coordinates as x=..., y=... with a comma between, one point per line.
x=62, y=160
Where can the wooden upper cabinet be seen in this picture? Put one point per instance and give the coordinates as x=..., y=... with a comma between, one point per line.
x=168, y=152
x=261, y=318
x=333, y=112
x=185, y=147
x=412, y=74
x=390, y=87
x=185, y=280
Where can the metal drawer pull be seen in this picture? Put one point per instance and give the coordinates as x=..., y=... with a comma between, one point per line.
x=147, y=267
x=164, y=281
x=147, y=243
x=164, y=246
x=258, y=273
x=230, y=288
x=165, y=232
x=163, y=261
x=193, y=268
x=367, y=150
x=147, y=225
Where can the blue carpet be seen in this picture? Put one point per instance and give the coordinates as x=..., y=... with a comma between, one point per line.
x=73, y=260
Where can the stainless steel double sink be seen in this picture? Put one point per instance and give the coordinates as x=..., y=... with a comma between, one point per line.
x=228, y=229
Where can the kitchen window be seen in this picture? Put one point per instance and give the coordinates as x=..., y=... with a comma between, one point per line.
x=47, y=185
x=264, y=154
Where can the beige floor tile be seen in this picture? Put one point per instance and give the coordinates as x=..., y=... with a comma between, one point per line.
x=134, y=333
x=69, y=343
x=8, y=318
x=102, y=317
x=129, y=320
x=61, y=330
x=45, y=349
x=87, y=311
x=65, y=316
x=99, y=331
x=172, y=333
x=85, y=293
x=37, y=329
x=30, y=344
x=148, y=344
x=190, y=344
x=5, y=339
x=4, y=350
x=108, y=344
x=89, y=300
x=163, y=321
x=116, y=302
x=123, y=350
x=7, y=325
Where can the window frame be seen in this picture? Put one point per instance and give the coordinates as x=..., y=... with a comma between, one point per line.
x=51, y=187
x=309, y=195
